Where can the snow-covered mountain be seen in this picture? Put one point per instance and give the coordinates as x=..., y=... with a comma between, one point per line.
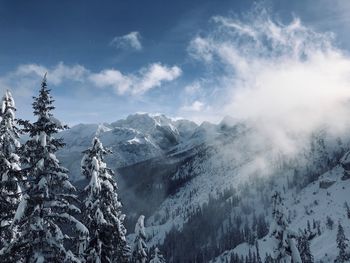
x=206, y=190
x=318, y=209
x=225, y=189
x=137, y=138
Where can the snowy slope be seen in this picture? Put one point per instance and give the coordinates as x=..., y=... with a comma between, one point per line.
x=179, y=175
x=234, y=164
x=311, y=203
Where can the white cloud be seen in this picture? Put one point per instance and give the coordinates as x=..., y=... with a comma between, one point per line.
x=112, y=78
x=288, y=79
x=193, y=88
x=56, y=74
x=195, y=106
x=194, y=102
x=29, y=69
x=26, y=77
x=201, y=48
x=153, y=76
x=130, y=40
x=146, y=79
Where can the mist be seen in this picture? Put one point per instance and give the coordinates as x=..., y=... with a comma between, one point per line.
x=288, y=80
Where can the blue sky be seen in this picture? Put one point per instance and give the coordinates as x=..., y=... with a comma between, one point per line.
x=108, y=59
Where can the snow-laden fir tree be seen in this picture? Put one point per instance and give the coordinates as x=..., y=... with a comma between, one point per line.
x=304, y=247
x=102, y=212
x=10, y=175
x=258, y=258
x=46, y=205
x=286, y=249
x=157, y=257
x=139, y=251
x=343, y=246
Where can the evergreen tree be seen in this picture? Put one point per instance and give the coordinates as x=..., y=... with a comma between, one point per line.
x=258, y=258
x=329, y=223
x=285, y=238
x=304, y=248
x=139, y=253
x=157, y=257
x=262, y=227
x=270, y=259
x=342, y=244
x=47, y=204
x=10, y=174
x=102, y=214
x=347, y=209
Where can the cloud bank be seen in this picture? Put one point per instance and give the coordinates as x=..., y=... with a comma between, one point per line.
x=286, y=78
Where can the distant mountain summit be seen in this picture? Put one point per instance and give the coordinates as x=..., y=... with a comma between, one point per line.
x=137, y=138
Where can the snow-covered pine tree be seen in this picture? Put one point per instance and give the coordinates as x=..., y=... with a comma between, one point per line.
x=343, y=246
x=102, y=213
x=10, y=175
x=258, y=258
x=304, y=248
x=139, y=252
x=285, y=238
x=47, y=204
x=157, y=257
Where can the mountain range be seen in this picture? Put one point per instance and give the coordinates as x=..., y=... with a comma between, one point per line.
x=206, y=189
